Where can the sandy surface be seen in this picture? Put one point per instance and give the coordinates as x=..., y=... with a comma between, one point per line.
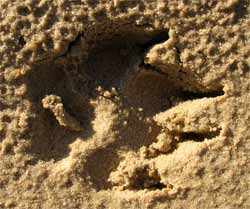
x=108, y=104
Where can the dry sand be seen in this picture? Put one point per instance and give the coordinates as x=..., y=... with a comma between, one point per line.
x=130, y=104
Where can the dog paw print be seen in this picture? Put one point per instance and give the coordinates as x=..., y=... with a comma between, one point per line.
x=119, y=105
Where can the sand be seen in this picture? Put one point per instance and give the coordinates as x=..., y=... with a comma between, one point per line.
x=108, y=104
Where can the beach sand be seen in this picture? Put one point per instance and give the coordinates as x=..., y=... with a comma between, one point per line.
x=108, y=104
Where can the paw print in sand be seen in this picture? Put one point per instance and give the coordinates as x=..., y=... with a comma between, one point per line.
x=112, y=110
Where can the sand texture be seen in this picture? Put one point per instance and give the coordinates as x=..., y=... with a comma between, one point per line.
x=124, y=104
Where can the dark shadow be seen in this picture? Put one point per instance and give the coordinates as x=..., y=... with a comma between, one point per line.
x=188, y=95
x=158, y=38
x=198, y=137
